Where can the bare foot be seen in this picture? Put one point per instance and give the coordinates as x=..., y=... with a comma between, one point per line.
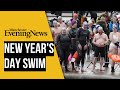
x=77, y=69
x=82, y=70
x=93, y=70
x=102, y=69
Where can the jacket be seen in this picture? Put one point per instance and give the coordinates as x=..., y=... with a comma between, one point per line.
x=111, y=26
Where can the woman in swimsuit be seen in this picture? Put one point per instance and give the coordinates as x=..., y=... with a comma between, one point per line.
x=113, y=49
x=55, y=32
x=69, y=27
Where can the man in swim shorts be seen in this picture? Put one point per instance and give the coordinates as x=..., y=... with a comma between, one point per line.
x=100, y=40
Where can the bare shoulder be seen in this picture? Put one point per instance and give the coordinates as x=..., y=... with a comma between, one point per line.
x=105, y=34
x=118, y=33
x=52, y=29
x=111, y=32
x=96, y=35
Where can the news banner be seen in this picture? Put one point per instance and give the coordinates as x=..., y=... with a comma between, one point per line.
x=27, y=49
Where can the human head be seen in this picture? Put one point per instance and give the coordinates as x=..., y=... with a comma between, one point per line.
x=114, y=19
x=96, y=27
x=85, y=19
x=63, y=31
x=55, y=23
x=75, y=16
x=100, y=30
x=93, y=20
x=74, y=23
x=85, y=25
x=102, y=18
x=69, y=24
x=90, y=23
x=114, y=28
x=60, y=19
x=106, y=13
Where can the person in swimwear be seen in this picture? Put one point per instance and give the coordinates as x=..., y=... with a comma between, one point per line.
x=61, y=23
x=55, y=32
x=69, y=27
x=113, y=49
x=64, y=41
x=72, y=34
x=82, y=38
x=100, y=40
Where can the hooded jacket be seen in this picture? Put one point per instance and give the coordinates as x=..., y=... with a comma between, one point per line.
x=111, y=26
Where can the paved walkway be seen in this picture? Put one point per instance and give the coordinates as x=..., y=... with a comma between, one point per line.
x=97, y=74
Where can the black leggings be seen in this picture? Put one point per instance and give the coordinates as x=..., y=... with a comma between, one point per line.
x=64, y=56
x=81, y=57
x=58, y=49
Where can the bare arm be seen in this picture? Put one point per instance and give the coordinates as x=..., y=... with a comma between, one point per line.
x=111, y=37
x=94, y=39
x=119, y=37
x=106, y=37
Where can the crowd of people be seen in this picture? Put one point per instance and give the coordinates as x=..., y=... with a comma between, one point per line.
x=73, y=38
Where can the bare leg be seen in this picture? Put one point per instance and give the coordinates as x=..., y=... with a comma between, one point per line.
x=119, y=51
x=112, y=66
x=94, y=63
x=113, y=63
x=83, y=60
x=113, y=51
x=101, y=63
